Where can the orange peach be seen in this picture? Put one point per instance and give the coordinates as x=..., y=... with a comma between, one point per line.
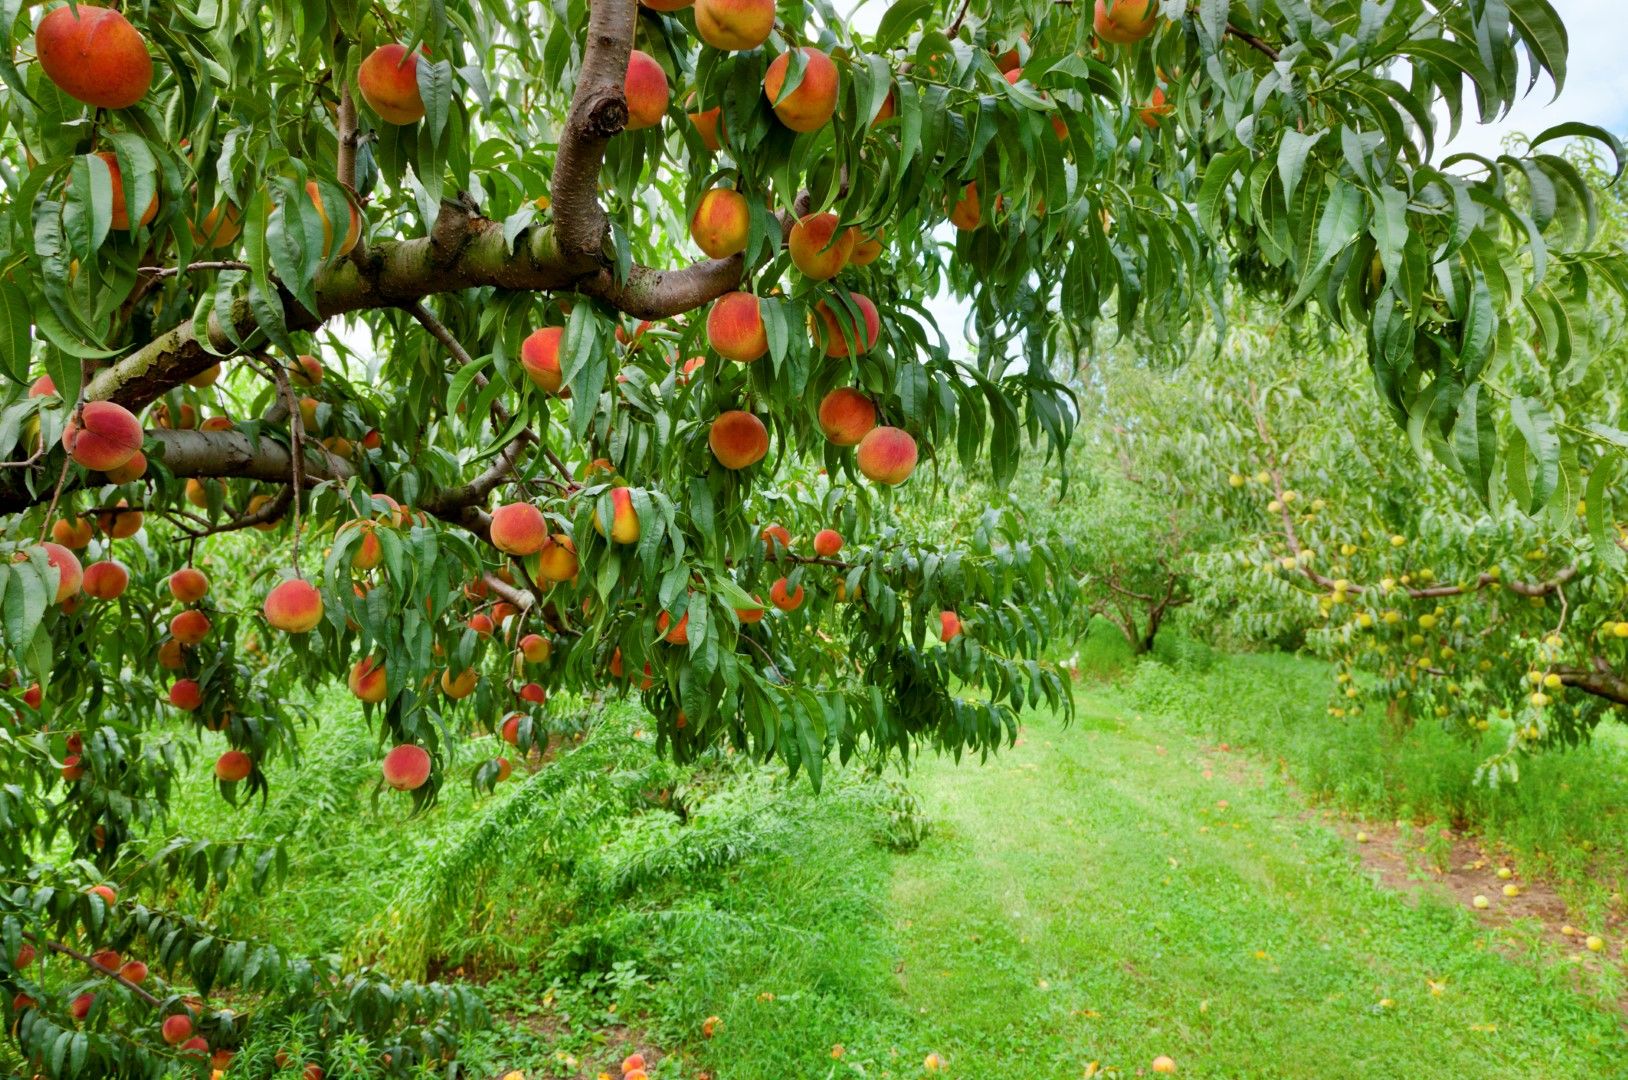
x=216, y=423
x=132, y=470
x=967, y=214
x=557, y=559
x=258, y=503
x=105, y=580
x=846, y=416
x=232, y=766
x=209, y=376
x=782, y=596
x=94, y=55
x=407, y=767
x=1126, y=22
x=949, y=625
x=819, y=246
x=646, y=91
x=676, y=633
x=842, y=335
x=176, y=1029
x=44, y=386
x=189, y=585
x=186, y=694
x=624, y=519
x=120, y=524
x=190, y=627
x=772, y=535
x=367, y=680
x=219, y=227
x=722, y=223
x=827, y=542
x=388, y=80
x=867, y=249
x=103, y=436
x=887, y=455
x=735, y=327
x=457, y=687
x=172, y=655
x=887, y=110
x=1158, y=106
x=368, y=552
x=709, y=125
x=812, y=103
x=119, y=220
x=295, y=606
x=518, y=529
x=197, y=493
x=72, y=532
x=734, y=24
x=751, y=614
x=482, y=624
x=738, y=439
x=352, y=234
x=305, y=372
x=535, y=648
x=540, y=357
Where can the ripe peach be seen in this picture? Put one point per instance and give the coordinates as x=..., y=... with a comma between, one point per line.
x=819, y=246
x=103, y=436
x=216, y=423
x=646, y=91
x=367, y=680
x=735, y=327
x=967, y=214
x=503, y=610
x=133, y=971
x=305, y=372
x=44, y=386
x=105, y=580
x=25, y=956
x=1127, y=23
x=887, y=110
x=222, y=225
x=533, y=693
x=308, y=413
x=369, y=552
x=540, y=357
x=752, y=614
x=510, y=731
x=738, y=439
x=94, y=55
x=624, y=519
x=209, y=376
x=294, y=607
x=1158, y=105
x=72, y=532
x=388, y=80
x=734, y=24
x=722, y=223
x=186, y=418
x=709, y=125
x=812, y=103
x=72, y=769
x=482, y=624
x=119, y=220
x=120, y=524
x=518, y=529
x=80, y=1006
x=535, y=648
x=846, y=416
x=172, y=655
x=504, y=769
x=827, y=542
x=676, y=633
x=457, y=687
x=186, y=694
x=352, y=234
x=840, y=335
x=772, y=535
x=557, y=558
x=1163, y=1064
x=232, y=766
x=632, y=1062
x=785, y=598
x=70, y=575
x=887, y=455
x=197, y=493
x=407, y=767
x=949, y=625
x=867, y=249
x=197, y=1046
x=107, y=893
x=132, y=470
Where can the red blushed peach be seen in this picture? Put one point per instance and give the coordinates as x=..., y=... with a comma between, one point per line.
x=407, y=768
x=738, y=439
x=119, y=220
x=540, y=357
x=782, y=596
x=1128, y=22
x=482, y=624
x=105, y=580
x=557, y=559
x=79, y=1008
x=459, y=686
x=846, y=416
x=133, y=971
x=827, y=542
x=949, y=625
x=812, y=103
x=294, y=607
x=72, y=768
x=751, y=614
x=533, y=693
x=120, y=525
x=773, y=535
x=510, y=731
x=646, y=90
x=72, y=533
x=94, y=55
x=44, y=386
x=1158, y=106
x=103, y=436
x=518, y=529
x=367, y=680
x=130, y=471
x=70, y=575
x=842, y=336
x=190, y=627
x=632, y=1063
x=33, y=697
x=189, y=585
x=504, y=769
x=176, y=1029
x=352, y=234
x=232, y=766
x=735, y=327
x=535, y=648
x=967, y=214
x=734, y=24
x=867, y=249
x=172, y=655
x=709, y=125
x=388, y=79
x=676, y=633
x=887, y=455
x=819, y=246
x=624, y=519
x=722, y=223
x=305, y=372
x=107, y=893
x=186, y=694
x=222, y=225
x=369, y=552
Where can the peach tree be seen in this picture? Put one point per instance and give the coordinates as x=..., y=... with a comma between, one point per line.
x=515, y=350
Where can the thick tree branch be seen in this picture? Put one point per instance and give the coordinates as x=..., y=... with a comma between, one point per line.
x=598, y=113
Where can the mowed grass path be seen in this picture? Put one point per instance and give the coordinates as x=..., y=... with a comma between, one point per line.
x=1092, y=895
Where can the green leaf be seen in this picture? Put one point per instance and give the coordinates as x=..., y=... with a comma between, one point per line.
x=1475, y=441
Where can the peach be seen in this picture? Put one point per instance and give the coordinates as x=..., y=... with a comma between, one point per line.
x=388, y=80
x=70, y=575
x=735, y=327
x=887, y=455
x=103, y=436
x=107, y=893
x=72, y=768
x=751, y=614
x=79, y=1008
x=624, y=519
x=120, y=524
x=632, y=1063
x=72, y=532
x=367, y=680
x=106, y=580
x=222, y=225
x=44, y=386
x=709, y=125
x=172, y=655
x=518, y=529
x=134, y=469
x=734, y=24
x=533, y=693
x=209, y=376
x=772, y=535
x=503, y=611
x=721, y=223
x=25, y=956
x=887, y=110
x=186, y=694
x=94, y=56
x=846, y=416
x=197, y=493
x=819, y=246
x=133, y=971
x=784, y=597
x=827, y=542
x=107, y=958
x=352, y=234
x=967, y=214
x=197, y=1046
x=369, y=552
x=294, y=607
x=190, y=627
x=305, y=372
x=535, y=648
x=867, y=249
x=557, y=558
x=510, y=731
x=482, y=624
x=308, y=413
x=949, y=625
x=676, y=633
x=232, y=766
x=504, y=769
x=1158, y=105
x=457, y=687
x=33, y=697
x=840, y=335
x=119, y=220
x=738, y=439
x=540, y=357
x=186, y=418
x=812, y=103
x=407, y=767
x=1128, y=22
x=646, y=91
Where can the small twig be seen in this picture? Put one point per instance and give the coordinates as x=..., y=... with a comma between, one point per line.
x=56, y=492
x=1253, y=42
x=25, y=464
x=58, y=947
x=296, y=437
x=210, y=264
x=955, y=27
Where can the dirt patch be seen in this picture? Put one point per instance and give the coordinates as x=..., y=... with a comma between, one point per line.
x=616, y=1044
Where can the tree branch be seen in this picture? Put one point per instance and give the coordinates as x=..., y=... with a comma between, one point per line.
x=598, y=112
x=1253, y=42
x=74, y=954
